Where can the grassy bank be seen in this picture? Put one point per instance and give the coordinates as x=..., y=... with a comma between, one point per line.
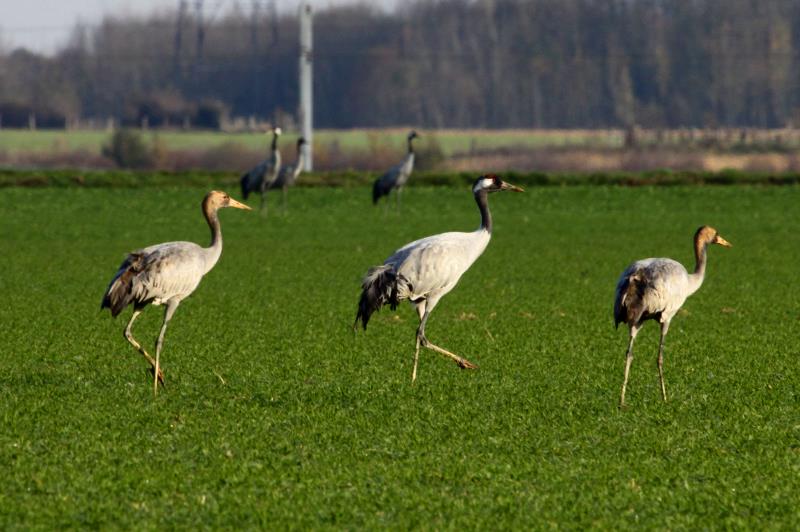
x=204, y=179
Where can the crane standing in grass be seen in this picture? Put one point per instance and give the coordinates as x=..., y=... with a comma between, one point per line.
x=166, y=274
x=288, y=175
x=260, y=177
x=427, y=269
x=655, y=289
x=397, y=177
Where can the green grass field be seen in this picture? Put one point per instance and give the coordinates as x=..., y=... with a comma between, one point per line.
x=450, y=140
x=276, y=416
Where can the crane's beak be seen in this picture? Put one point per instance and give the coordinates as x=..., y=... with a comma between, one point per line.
x=722, y=242
x=233, y=203
x=509, y=186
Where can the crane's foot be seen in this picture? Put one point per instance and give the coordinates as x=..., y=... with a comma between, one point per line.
x=466, y=364
x=160, y=375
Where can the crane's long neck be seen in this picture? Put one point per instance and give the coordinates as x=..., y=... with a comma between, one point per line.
x=274, y=146
x=701, y=257
x=411, y=145
x=482, y=199
x=213, y=251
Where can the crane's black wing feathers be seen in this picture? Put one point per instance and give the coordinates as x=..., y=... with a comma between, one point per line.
x=380, y=286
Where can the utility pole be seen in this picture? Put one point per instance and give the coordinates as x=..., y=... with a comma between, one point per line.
x=306, y=87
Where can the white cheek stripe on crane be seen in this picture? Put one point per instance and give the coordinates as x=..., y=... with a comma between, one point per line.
x=485, y=183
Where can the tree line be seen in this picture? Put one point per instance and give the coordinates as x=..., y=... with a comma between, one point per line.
x=431, y=63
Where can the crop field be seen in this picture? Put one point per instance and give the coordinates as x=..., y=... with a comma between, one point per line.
x=449, y=140
x=275, y=415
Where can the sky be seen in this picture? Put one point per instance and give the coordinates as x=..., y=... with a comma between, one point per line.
x=45, y=25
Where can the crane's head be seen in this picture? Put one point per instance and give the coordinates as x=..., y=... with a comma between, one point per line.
x=413, y=135
x=708, y=235
x=492, y=183
x=301, y=141
x=217, y=200
x=276, y=131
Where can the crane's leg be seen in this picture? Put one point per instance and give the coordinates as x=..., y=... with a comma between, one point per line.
x=664, y=329
x=136, y=345
x=168, y=312
x=264, y=201
x=462, y=362
x=416, y=361
x=628, y=360
x=421, y=312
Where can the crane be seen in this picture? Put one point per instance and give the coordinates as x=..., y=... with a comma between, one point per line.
x=397, y=176
x=427, y=269
x=166, y=274
x=289, y=173
x=260, y=177
x=655, y=289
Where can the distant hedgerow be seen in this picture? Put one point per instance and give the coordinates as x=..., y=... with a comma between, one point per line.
x=128, y=149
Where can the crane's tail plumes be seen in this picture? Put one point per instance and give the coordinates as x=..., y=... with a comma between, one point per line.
x=120, y=291
x=245, y=182
x=379, y=287
x=629, y=304
x=379, y=189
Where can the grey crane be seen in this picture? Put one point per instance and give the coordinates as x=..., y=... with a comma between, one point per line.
x=166, y=274
x=396, y=177
x=289, y=173
x=260, y=177
x=655, y=289
x=427, y=269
